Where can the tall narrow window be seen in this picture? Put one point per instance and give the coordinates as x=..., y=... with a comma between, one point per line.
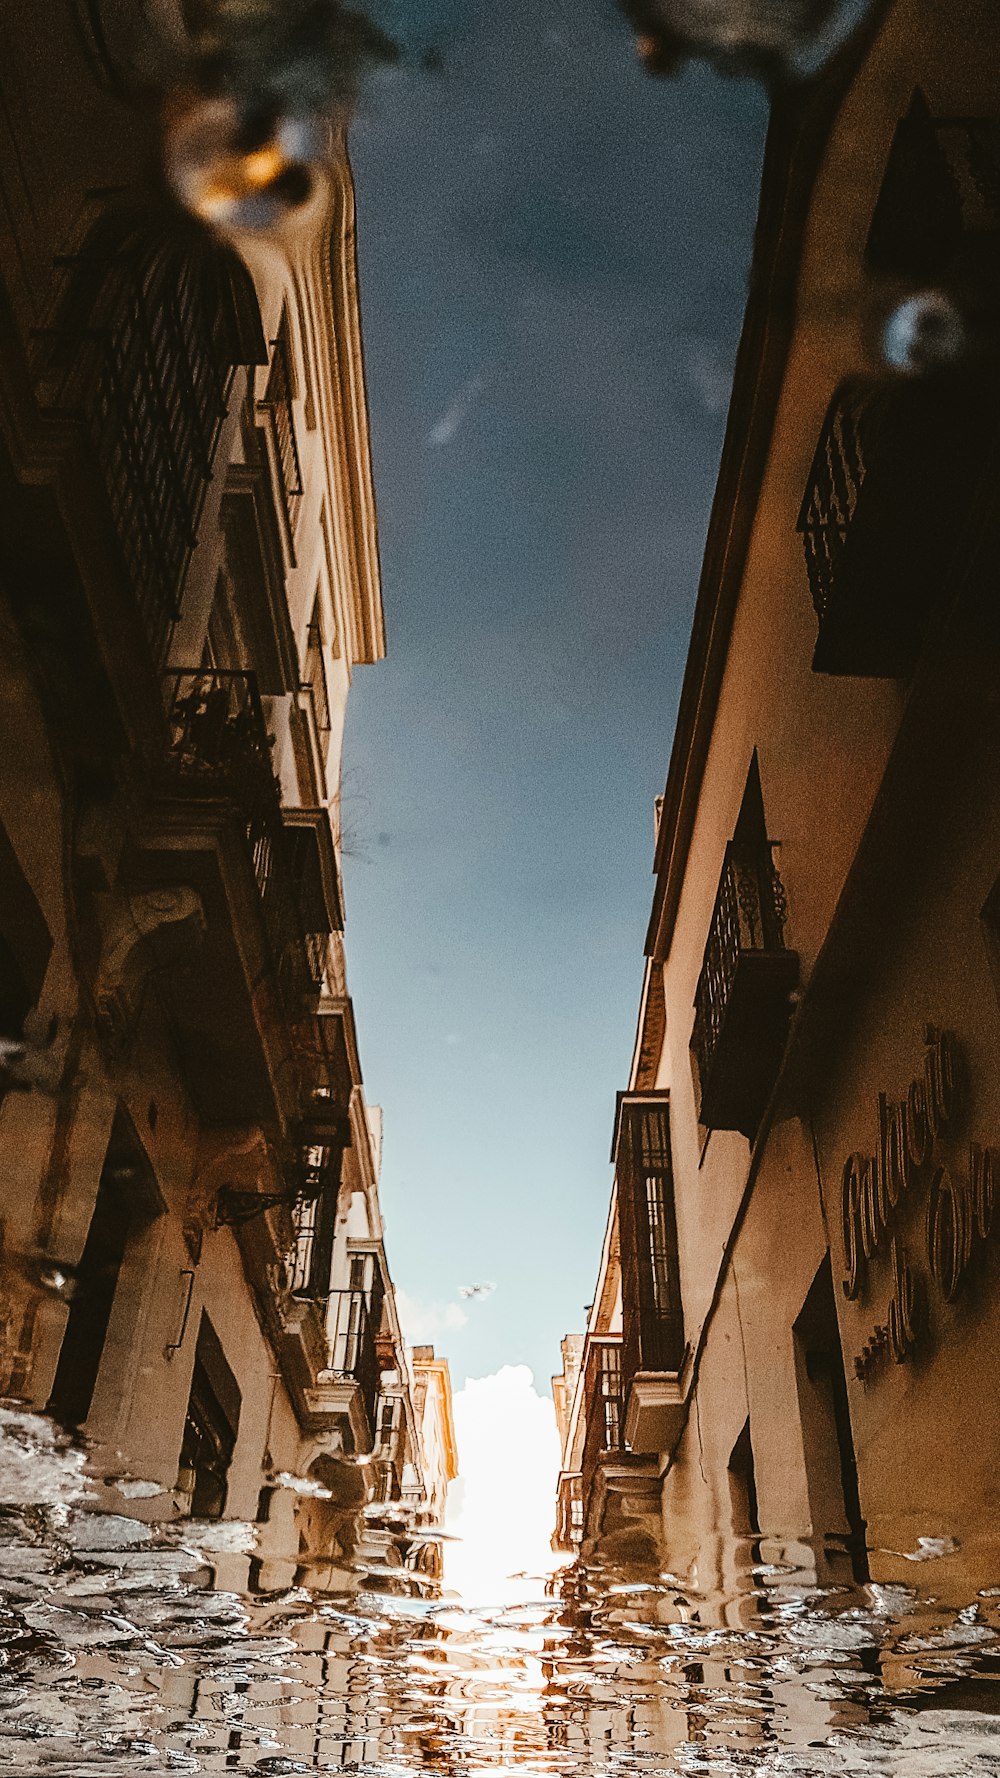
x=611, y=1397
x=742, y=1003
x=277, y=406
x=316, y=680
x=169, y=314
x=388, y=1410
x=210, y=1428
x=310, y=1258
x=602, y=1404
x=653, y=1322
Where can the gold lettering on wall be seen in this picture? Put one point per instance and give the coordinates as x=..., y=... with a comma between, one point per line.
x=959, y=1211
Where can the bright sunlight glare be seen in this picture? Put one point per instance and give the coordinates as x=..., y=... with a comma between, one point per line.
x=501, y=1509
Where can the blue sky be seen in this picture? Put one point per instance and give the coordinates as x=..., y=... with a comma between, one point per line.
x=553, y=253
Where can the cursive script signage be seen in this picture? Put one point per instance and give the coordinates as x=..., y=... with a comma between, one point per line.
x=959, y=1210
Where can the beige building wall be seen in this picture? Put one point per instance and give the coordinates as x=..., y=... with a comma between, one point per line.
x=879, y=795
x=282, y=581
x=825, y=745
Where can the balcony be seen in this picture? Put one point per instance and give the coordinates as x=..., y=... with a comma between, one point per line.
x=353, y=1377
x=239, y=999
x=390, y=1447
x=893, y=477
x=619, y=1489
x=285, y=1229
x=153, y=320
x=742, y=1000
x=310, y=1256
x=568, y=1534
x=603, y=1406
x=653, y=1348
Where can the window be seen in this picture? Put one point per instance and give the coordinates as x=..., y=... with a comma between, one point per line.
x=387, y=1415
x=277, y=407
x=310, y=1258
x=315, y=678
x=210, y=1428
x=653, y=1337
x=742, y=1002
x=168, y=316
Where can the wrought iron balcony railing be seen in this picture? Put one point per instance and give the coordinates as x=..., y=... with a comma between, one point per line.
x=603, y=1405
x=894, y=472
x=355, y=1318
x=156, y=317
x=219, y=746
x=314, y=672
x=742, y=998
x=276, y=406
x=652, y=1316
x=313, y=1220
x=849, y=640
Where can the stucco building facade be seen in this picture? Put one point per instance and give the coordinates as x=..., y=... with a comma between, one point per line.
x=795, y=1328
x=194, y=1271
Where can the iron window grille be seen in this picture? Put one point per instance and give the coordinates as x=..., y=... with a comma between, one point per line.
x=310, y=1257
x=742, y=1001
x=355, y=1319
x=168, y=314
x=653, y=1321
x=604, y=1408
x=219, y=746
x=276, y=404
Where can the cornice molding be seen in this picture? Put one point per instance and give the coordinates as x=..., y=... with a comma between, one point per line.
x=801, y=124
x=325, y=274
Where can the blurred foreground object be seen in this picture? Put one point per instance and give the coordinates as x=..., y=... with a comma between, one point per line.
x=769, y=39
x=246, y=136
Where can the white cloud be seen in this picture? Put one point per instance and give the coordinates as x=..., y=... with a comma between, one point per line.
x=423, y=1323
x=503, y=1508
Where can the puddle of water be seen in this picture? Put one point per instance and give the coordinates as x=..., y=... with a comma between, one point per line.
x=123, y=1652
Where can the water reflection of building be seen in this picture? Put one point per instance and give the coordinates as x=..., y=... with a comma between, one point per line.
x=796, y=1319
x=434, y=1408
x=194, y=1270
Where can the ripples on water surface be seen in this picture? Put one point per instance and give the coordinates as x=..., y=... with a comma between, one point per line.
x=124, y=1651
